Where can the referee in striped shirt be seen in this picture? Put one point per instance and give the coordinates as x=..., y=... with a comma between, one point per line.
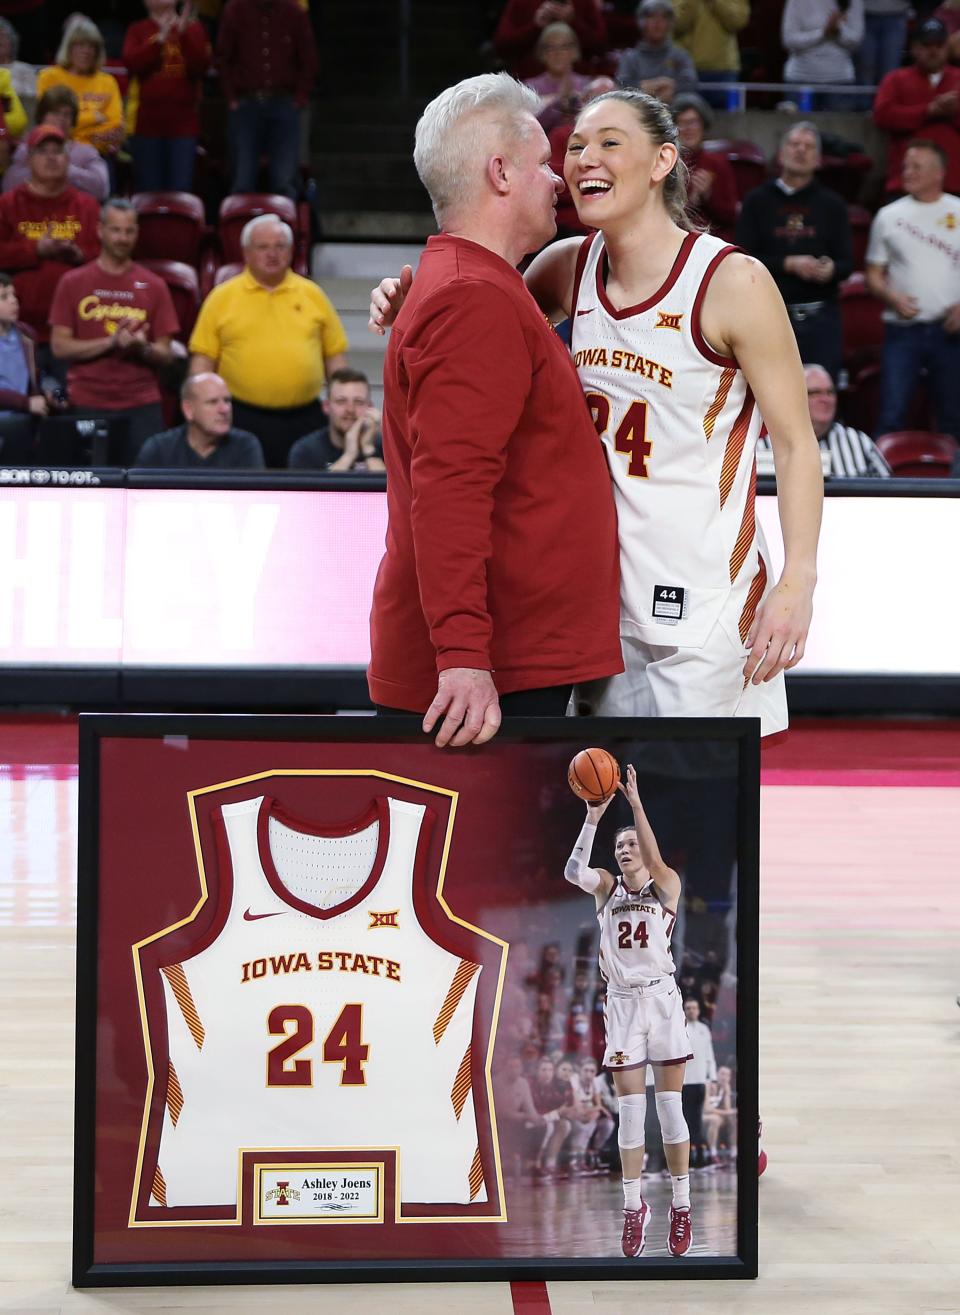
x=853, y=454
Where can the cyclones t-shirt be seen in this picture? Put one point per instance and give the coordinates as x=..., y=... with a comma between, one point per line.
x=92, y=303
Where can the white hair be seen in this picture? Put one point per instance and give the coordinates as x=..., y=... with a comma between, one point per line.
x=462, y=127
x=248, y=230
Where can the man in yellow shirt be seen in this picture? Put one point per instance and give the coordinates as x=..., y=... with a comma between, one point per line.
x=274, y=337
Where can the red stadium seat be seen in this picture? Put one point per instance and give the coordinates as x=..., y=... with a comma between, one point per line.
x=845, y=174
x=238, y=210
x=861, y=404
x=861, y=314
x=172, y=226
x=913, y=453
x=749, y=166
x=228, y=271
x=184, y=288
x=860, y=221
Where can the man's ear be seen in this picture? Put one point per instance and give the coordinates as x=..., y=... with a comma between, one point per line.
x=326, y=406
x=498, y=172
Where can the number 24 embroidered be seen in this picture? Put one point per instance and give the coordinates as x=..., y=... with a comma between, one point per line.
x=630, y=436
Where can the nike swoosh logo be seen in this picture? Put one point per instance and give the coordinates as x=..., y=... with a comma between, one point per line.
x=584, y=312
x=252, y=917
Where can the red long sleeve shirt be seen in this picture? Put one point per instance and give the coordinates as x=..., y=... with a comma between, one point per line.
x=501, y=549
x=25, y=218
x=900, y=108
x=266, y=46
x=168, y=74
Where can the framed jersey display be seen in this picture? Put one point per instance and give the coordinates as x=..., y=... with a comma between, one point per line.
x=351, y=1006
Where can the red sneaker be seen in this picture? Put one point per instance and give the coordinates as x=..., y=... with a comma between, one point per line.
x=681, y=1232
x=635, y=1229
x=762, y=1157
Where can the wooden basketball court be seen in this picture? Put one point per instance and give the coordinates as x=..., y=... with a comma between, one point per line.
x=860, y=1052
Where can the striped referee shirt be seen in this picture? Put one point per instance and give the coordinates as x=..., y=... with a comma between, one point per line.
x=853, y=454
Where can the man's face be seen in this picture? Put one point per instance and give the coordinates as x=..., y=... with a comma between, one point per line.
x=345, y=404
x=268, y=253
x=210, y=408
x=692, y=1009
x=9, y=306
x=930, y=56
x=48, y=163
x=822, y=400
x=118, y=233
x=536, y=186
x=545, y=1070
x=921, y=171
x=800, y=153
x=655, y=27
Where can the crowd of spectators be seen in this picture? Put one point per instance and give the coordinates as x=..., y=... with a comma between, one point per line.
x=556, y=1108
x=104, y=339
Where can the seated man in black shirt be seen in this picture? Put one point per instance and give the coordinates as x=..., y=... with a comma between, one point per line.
x=207, y=441
x=351, y=440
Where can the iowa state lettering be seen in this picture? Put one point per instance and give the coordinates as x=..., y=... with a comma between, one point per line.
x=631, y=362
x=344, y=961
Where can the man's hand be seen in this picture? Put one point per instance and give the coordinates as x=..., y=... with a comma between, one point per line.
x=37, y=405
x=701, y=184
x=943, y=106
x=951, y=321
x=906, y=307
x=56, y=248
x=131, y=338
x=824, y=271
x=387, y=298
x=467, y=700
x=804, y=267
x=779, y=631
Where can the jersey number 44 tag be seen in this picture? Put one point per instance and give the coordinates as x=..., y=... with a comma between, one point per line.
x=668, y=603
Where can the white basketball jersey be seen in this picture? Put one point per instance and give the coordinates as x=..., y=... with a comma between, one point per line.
x=320, y=1014
x=680, y=426
x=635, y=931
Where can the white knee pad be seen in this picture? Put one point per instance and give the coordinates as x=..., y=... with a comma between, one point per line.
x=673, y=1126
x=633, y=1114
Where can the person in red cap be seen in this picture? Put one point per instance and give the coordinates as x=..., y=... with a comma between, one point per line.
x=46, y=228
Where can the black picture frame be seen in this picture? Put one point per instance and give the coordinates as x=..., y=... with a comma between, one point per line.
x=96, y=728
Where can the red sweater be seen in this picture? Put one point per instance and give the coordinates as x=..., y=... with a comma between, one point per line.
x=24, y=219
x=168, y=74
x=900, y=108
x=517, y=33
x=501, y=549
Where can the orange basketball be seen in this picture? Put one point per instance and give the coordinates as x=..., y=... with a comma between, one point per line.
x=593, y=774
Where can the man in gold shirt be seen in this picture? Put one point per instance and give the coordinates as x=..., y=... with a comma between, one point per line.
x=273, y=337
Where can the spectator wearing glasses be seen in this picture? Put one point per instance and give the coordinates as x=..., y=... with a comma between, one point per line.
x=852, y=453
x=561, y=90
x=711, y=186
x=523, y=21
x=913, y=267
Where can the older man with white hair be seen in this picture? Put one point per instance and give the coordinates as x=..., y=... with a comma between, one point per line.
x=499, y=588
x=273, y=336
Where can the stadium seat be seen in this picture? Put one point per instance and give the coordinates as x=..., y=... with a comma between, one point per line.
x=861, y=403
x=238, y=210
x=184, y=287
x=172, y=226
x=228, y=271
x=862, y=317
x=845, y=174
x=860, y=221
x=917, y=453
x=749, y=166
